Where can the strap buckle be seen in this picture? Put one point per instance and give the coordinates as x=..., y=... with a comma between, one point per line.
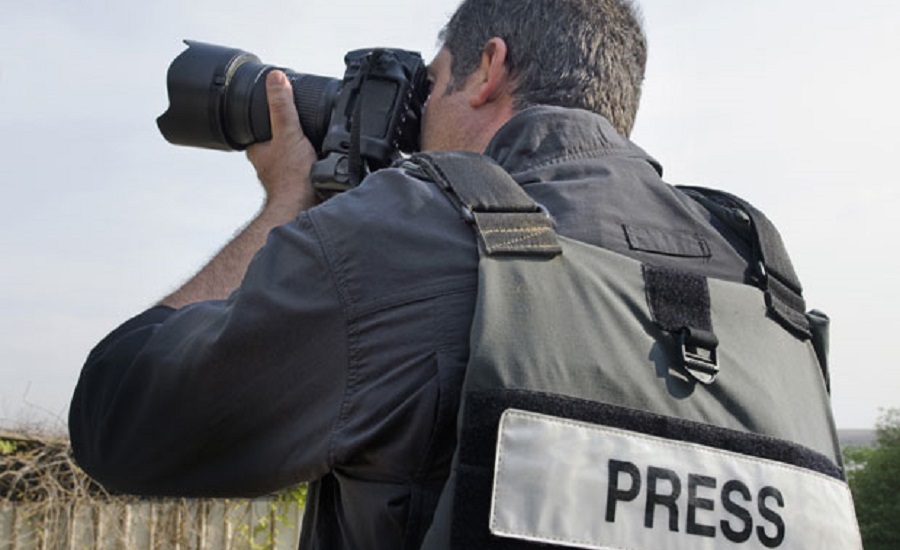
x=698, y=354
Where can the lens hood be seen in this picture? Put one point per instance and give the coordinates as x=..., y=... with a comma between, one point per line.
x=197, y=82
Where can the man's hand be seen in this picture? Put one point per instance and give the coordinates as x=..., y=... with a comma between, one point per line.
x=283, y=164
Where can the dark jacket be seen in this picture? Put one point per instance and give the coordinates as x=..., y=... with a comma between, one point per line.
x=340, y=358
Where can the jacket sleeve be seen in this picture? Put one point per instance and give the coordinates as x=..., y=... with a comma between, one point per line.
x=222, y=398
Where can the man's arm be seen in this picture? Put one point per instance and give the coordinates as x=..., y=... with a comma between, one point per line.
x=204, y=399
x=233, y=397
x=283, y=165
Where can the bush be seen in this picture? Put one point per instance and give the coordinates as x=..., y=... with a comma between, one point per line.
x=874, y=477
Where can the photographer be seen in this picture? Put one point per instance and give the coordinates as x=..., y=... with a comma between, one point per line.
x=328, y=343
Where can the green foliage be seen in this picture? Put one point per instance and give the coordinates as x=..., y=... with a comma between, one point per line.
x=296, y=494
x=855, y=458
x=7, y=447
x=263, y=535
x=874, y=477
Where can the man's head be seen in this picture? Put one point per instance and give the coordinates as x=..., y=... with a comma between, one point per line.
x=587, y=54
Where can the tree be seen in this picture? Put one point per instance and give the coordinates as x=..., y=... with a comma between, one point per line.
x=874, y=477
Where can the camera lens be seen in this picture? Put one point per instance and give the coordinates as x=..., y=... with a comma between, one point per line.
x=217, y=99
x=315, y=97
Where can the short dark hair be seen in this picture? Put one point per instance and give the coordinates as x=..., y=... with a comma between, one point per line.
x=587, y=54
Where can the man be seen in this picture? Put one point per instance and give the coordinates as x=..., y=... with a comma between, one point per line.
x=337, y=354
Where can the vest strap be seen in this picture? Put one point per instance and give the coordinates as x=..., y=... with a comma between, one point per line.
x=507, y=220
x=680, y=304
x=775, y=272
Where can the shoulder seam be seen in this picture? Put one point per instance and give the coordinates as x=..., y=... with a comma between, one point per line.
x=343, y=298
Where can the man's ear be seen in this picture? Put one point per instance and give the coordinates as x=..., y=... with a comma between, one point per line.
x=494, y=78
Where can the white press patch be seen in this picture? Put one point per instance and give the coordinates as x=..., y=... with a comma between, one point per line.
x=581, y=485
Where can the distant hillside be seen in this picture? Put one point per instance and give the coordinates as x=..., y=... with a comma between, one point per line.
x=857, y=438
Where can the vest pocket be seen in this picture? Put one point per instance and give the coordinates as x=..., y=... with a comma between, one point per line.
x=669, y=243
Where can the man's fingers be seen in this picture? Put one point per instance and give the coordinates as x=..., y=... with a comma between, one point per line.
x=283, y=163
x=282, y=112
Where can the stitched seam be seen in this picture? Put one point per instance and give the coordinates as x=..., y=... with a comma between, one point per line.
x=530, y=234
x=534, y=230
x=333, y=270
x=581, y=153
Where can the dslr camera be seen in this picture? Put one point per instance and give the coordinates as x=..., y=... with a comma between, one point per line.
x=358, y=124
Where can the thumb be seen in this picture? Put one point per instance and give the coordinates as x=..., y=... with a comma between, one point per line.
x=282, y=111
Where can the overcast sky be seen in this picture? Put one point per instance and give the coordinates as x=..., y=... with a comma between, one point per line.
x=792, y=104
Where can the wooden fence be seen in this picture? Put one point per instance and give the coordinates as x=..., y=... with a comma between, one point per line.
x=172, y=524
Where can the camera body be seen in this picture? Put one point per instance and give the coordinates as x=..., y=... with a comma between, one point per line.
x=360, y=123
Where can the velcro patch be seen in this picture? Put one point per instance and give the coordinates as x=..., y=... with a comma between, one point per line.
x=580, y=485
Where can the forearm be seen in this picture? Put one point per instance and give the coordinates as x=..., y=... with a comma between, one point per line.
x=283, y=166
x=224, y=272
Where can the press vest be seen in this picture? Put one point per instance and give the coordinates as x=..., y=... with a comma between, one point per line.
x=610, y=403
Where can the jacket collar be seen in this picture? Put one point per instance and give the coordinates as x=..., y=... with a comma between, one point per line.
x=544, y=134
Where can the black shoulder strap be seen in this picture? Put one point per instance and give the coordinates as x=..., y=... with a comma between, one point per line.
x=776, y=275
x=506, y=219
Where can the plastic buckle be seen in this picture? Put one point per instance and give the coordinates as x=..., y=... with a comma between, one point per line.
x=698, y=355
x=467, y=214
x=543, y=210
x=759, y=276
